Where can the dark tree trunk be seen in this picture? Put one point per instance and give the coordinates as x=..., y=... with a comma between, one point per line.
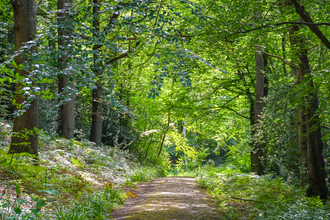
x=257, y=150
x=316, y=175
x=25, y=30
x=96, y=131
x=65, y=81
x=310, y=124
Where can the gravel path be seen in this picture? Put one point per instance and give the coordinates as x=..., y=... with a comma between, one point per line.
x=169, y=198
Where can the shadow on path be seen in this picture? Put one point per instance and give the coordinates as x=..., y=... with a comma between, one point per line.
x=169, y=198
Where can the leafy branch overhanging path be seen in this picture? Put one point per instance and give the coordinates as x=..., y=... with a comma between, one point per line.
x=169, y=198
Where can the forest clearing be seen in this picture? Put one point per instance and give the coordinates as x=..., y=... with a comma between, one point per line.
x=164, y=109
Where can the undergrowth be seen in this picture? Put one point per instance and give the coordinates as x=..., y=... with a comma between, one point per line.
x=94, y=206
x=74, y=179
x=248, y=196
x=82, y=180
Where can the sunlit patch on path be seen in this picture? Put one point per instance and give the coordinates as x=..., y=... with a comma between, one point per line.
x=169, y=198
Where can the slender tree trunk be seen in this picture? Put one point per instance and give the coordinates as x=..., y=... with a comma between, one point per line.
x=314, y=154
x=164, y=135
x=146, y=154
x=284, y=55
x=96, y=131
x=184, y=131
x=25, y=29
x=257, y=150
x=65, y=82
x=142, y=148
x=302, y=143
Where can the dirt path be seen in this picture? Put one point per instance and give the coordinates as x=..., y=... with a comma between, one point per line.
x=169, y=198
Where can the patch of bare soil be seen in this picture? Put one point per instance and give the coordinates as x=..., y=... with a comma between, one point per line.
x=169, y=198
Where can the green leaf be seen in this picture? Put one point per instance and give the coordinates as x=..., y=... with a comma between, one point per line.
x=17, y=210
x=22, y=201
x=49, y=191
x=11, y=74
x=35, y=211
x=14, y=63
x=18, y=190
x=41, y=203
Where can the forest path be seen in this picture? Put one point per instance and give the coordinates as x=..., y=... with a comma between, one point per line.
x=169, y=198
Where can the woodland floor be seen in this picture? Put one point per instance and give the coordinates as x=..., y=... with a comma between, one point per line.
x=169, y=198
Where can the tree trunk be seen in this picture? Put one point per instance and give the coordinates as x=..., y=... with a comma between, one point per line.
x=308, y=112
x=65, y=84
x=302, y=127
x=25, y=29
x=316, y=175
x=302, y=143
x=165, y=132
x=96, y=130
x=257, y=151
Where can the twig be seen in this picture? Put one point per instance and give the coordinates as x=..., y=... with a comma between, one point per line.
x=39, y=3
x=123, y=55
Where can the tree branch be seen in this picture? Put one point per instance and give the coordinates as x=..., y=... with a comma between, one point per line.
x=237, y=113
x=276, y=56
x=283, y=23
x=123, y=55
x=305, y=16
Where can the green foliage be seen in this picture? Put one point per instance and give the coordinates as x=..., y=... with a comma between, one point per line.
x=160, y=63
x=76, y=162
x=40, y=184
x=10, y=201
x=146, y=173
x=245, y=196
x=239, y=154
x=116, y=126
x=94, y=206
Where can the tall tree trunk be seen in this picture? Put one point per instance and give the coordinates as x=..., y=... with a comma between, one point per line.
x=65, y=85
x=316, y=175
x=302, y=128
x=302, y=142
x=315, y=161
x=25, y=29
x=96, y=130
x=257, y=150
